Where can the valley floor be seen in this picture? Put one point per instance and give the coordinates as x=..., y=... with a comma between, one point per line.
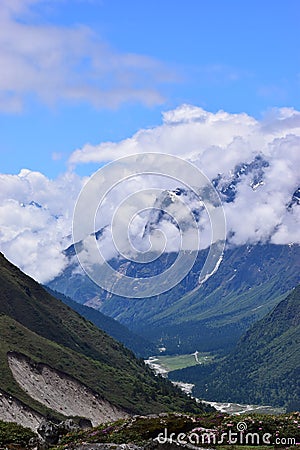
x=163, y=365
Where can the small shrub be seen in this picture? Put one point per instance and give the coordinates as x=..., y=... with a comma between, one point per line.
x=12, y=433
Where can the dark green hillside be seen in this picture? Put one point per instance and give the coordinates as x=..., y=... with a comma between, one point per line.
x=134, y=342
x=40, y=326
x=265, y=366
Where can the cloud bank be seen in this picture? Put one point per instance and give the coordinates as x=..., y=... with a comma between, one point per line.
x=218, y=143
x=253, y=164
x=36, y=219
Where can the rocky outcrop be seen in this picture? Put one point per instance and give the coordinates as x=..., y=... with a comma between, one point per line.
x=13, y=410
x=49, y=433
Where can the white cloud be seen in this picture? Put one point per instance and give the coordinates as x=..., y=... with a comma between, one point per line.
x=34, y=237
x=35, y=221
x=187, y=131
x=221, y=139
x=71, y=63
x=217, y=143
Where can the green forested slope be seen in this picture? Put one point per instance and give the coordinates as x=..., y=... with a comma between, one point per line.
x=140, y=346
x=36, y=324
x=265, y=366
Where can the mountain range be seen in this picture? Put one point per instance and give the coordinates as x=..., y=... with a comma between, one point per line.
x=242, y=314
x=250, y=281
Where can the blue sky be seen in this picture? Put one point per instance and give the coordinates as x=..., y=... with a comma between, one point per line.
x=78, y=72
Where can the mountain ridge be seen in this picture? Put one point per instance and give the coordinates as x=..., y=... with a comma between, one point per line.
x=140, y=346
